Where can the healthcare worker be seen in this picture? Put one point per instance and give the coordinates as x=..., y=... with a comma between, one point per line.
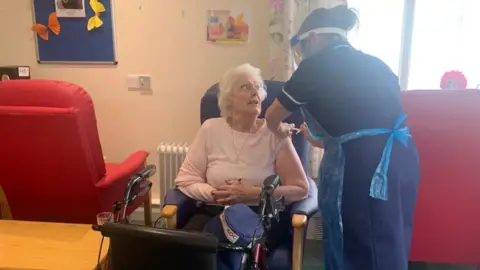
x=369, y=174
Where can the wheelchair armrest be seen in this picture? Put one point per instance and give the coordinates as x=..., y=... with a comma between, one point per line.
x=178, y=208
x=301, y=211
x=307, y=207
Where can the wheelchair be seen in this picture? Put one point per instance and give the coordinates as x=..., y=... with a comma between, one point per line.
x=178, y=208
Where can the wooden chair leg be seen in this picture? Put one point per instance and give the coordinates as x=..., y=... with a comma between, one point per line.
x=4, y=206
x=147, y=209
x=298, y=223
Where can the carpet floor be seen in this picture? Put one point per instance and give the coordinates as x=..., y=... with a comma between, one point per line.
x=313, y=260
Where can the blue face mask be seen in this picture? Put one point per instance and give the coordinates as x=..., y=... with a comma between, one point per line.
x=308, y=50
x=303, y=50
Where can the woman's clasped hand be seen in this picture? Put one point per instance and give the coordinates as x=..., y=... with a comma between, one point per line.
x=236, y=191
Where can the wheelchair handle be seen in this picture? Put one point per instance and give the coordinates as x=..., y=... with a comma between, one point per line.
x=267, y=207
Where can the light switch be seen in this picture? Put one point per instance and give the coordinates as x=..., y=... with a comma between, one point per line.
x=23, y=72
x=145, y=82
x=141, y=82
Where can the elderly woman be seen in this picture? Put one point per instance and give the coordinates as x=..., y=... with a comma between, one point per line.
x=231, y=156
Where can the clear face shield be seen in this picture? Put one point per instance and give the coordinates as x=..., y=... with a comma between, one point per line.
x=300, y=47
x=297, y=52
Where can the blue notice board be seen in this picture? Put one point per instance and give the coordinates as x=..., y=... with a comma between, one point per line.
x=75, y=44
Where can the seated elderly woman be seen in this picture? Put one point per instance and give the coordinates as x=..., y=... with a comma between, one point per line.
x=231, y=156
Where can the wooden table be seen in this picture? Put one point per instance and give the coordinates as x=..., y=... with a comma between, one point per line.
x=49, y=246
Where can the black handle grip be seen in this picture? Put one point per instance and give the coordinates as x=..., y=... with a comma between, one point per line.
x=97, y=228
x=271, y=183
x=148, y=171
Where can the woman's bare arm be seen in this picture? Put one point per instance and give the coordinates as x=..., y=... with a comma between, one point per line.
x=191, y=178
x=294, y=185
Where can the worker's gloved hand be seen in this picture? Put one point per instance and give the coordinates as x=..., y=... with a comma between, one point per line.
x=285, y=130
x=313, y=142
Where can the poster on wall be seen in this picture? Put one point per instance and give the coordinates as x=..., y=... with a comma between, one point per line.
x=226, y=26
x=70, y=8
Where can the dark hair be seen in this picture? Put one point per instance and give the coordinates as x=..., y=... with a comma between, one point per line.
x=339, y=17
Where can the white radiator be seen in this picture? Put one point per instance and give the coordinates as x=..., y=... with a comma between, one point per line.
x=171, y=156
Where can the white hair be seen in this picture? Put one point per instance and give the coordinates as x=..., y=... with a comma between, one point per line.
x=227, y=83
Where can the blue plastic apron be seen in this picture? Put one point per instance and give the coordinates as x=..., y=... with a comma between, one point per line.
x=331, y=180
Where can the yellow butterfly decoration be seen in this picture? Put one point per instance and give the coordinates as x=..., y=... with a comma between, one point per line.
x=95, y=21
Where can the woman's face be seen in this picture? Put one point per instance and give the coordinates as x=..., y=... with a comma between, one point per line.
x=246, y=96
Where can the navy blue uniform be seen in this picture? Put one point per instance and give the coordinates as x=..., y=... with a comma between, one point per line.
x=346, y=90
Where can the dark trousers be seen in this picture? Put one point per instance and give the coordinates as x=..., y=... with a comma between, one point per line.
x=377, y=233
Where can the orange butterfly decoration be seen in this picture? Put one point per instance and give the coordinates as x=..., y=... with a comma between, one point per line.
x=53, y=25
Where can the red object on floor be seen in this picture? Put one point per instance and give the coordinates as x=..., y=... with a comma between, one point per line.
x=446, y=127
x=51, y=161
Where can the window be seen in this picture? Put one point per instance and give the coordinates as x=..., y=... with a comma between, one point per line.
x=379, y=32
x=446, y=36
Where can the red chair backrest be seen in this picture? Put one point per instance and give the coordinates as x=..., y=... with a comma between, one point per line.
x=49, y=146
x=446, y=128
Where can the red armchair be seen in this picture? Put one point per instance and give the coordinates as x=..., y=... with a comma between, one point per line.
x=446, y=128
x=51, y=162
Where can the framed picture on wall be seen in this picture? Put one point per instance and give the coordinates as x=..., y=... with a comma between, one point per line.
x=70, y=8
x=228, y=26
